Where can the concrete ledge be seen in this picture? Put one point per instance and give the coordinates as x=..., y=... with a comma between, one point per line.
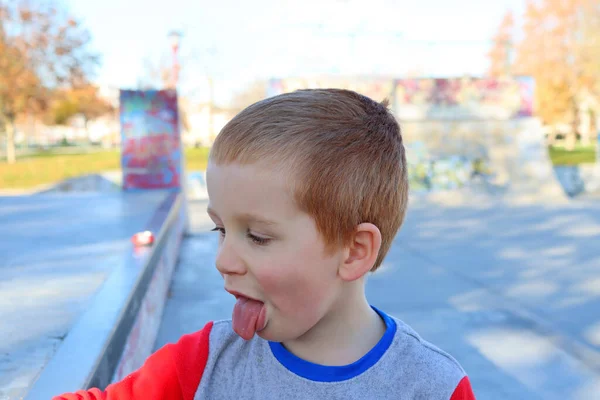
x=116, y=334
x=103, y=182
x=85, y=183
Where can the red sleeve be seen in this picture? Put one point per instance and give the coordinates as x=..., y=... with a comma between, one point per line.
x=173, y=372
x=463, y=391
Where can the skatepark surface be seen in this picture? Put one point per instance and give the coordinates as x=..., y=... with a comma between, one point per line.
x=57, y=250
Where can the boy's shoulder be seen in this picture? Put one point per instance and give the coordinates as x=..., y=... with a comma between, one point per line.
x=422, y=360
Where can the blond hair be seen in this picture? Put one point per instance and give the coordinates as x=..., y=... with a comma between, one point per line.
x=344, y=151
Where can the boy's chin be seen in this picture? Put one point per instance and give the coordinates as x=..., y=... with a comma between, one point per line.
x=271, y=335
x=267, y=334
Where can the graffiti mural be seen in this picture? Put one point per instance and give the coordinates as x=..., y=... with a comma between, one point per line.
x=463, y=98
x=458, y=130
x=151, y=141
x=419, y=99
x=375, y=88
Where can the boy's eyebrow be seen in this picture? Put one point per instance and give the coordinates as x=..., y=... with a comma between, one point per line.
x=247, y=218
x=210, y=211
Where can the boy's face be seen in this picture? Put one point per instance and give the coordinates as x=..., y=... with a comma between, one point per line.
x=270, y=251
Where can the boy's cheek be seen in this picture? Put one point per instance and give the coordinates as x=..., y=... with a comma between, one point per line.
x=288, y=286
x=276, y=277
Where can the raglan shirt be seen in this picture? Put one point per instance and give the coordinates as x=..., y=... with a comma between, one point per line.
x=215, y=363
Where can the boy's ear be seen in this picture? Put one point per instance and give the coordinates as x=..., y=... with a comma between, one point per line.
x=361, y=253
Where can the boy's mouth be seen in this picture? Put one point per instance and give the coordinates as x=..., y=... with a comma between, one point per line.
x=237, y=295
x=249, y=315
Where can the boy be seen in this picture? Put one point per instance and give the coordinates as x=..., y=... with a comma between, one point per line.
x=307, y=191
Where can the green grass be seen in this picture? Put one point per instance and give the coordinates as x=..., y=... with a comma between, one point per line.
x=53, y=166
x=580, y=155
x=49, y=167
x=196, y=159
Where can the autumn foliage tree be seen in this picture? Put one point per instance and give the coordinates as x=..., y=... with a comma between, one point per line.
x=42, y=49
x=560, y=48
x=84, y=101
x=502, y=47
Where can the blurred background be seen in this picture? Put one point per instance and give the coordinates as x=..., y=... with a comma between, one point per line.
x=62, y=64
x=499, y=103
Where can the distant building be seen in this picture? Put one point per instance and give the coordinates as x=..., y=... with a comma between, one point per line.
x=203, y=124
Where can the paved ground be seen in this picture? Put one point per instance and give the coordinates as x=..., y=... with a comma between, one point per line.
x=56, y=250
x=513, y=292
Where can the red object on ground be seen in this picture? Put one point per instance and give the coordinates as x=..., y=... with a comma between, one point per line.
x=145, y=238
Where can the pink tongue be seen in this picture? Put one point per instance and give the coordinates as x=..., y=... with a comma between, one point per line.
x=248, y=317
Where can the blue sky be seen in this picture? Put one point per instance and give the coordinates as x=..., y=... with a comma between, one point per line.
x=236, y=42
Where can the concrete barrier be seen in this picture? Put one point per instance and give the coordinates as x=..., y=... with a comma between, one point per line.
x=85, y=183
x=117, y=332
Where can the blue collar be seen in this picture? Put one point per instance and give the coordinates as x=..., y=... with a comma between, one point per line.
x=324, y=373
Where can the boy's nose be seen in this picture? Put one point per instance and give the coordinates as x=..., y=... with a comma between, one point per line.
x=228, y=261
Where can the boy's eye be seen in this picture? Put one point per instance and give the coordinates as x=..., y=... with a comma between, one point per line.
x=257, y=239
x=218, y=229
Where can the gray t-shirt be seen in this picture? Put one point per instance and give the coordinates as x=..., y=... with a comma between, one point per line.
x=401, y=366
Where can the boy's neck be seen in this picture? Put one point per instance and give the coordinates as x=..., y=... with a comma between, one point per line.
x=343, y=336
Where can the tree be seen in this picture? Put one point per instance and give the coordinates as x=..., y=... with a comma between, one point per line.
x=42, y=49
x=84, y=101
x=560, y=49
x=502, y=47
x=90, y=105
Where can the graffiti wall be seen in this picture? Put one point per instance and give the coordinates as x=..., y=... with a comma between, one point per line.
x=420, y=99
x=375, y=88
x=151, y=141
x=457, y=130
x=464, y=98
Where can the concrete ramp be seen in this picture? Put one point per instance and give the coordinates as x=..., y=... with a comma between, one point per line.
x=506, y=158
